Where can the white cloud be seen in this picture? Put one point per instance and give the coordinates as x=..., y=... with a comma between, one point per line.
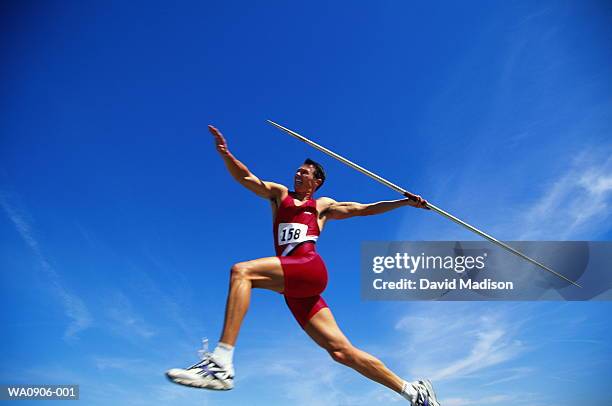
x=131, y=364
x=304, y=374
x=172, y=300
x=490, y=347
x=307, y=377
x=449, y=342
x=489, y=400
x=577, y=203
x=511, y=374
x=125, y=320
x=74, y=306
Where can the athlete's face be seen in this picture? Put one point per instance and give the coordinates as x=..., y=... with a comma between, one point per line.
x=304, y=180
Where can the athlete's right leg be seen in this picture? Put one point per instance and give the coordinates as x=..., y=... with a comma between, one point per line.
x=264, y=273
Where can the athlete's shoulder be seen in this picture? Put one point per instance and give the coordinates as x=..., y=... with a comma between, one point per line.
x=277, y=190
x=275, y=185
x=324, y=202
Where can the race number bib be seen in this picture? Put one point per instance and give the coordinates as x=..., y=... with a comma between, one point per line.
x=289, y=233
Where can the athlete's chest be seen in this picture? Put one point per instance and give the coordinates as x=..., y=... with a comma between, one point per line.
x=295, y=211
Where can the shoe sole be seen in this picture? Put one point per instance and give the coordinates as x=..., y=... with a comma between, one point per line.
x=195, y=384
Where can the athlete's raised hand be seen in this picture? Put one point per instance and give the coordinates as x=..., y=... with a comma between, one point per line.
x=220, y=142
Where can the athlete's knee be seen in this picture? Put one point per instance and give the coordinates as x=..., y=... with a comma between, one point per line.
x=239, y=271
x=344, y=354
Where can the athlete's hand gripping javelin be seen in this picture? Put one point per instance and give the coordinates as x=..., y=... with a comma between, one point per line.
x=417, y=201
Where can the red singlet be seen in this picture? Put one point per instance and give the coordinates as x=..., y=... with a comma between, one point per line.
x=295, y=232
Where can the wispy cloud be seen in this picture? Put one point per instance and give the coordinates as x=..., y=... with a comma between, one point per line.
x=452, y=343
x=578, y=202
x=511, y=374
x=305, y=374
x=125, y=320
x=174, y=395
x=296, y=379
x=74, y=307
x=172, y=298
x=489, y=400
x=145, y=270
x=123, y=364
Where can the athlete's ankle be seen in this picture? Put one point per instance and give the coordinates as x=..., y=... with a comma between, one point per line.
x=409, y=392
x=224, y=355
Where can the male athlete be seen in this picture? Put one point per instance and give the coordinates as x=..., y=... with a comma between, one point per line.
x=298, y=272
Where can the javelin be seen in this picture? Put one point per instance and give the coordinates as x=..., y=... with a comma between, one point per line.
x=429, y=205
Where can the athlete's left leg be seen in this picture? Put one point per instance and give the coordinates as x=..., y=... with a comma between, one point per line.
x=216, y=370
x=324, y=330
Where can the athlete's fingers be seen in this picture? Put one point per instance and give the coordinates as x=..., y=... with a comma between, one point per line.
x=219, y=139
x=214, y=131
x=421, y=203
x=424, y=204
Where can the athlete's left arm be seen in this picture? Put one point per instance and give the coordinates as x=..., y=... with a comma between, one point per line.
x=342, y=210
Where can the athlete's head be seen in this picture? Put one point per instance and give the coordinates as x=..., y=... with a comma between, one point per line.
x=309, y=177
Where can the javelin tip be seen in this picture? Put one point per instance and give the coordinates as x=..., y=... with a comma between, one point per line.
x=278, y=126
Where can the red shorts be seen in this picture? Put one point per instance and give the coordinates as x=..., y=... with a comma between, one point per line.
x=305, y=279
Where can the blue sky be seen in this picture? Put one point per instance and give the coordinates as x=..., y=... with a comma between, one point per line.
x=119, y=223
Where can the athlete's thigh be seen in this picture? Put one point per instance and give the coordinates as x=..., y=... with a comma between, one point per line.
x=324, y=330
x=265, y=273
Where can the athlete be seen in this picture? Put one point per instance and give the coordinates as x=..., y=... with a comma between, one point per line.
x=298, y=272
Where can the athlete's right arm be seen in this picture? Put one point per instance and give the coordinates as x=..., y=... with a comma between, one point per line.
x=239, y=171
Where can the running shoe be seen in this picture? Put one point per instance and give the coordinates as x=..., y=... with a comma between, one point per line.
x=425, y=394
x=206, y=374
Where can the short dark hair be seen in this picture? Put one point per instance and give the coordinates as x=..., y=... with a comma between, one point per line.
x=319, y=172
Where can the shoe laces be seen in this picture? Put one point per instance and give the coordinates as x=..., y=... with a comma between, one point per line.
x=207, y=364
x=422, y=398
x=203, y=354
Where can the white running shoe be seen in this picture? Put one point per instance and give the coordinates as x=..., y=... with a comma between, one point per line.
x=426, y=396
x=206, y=374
